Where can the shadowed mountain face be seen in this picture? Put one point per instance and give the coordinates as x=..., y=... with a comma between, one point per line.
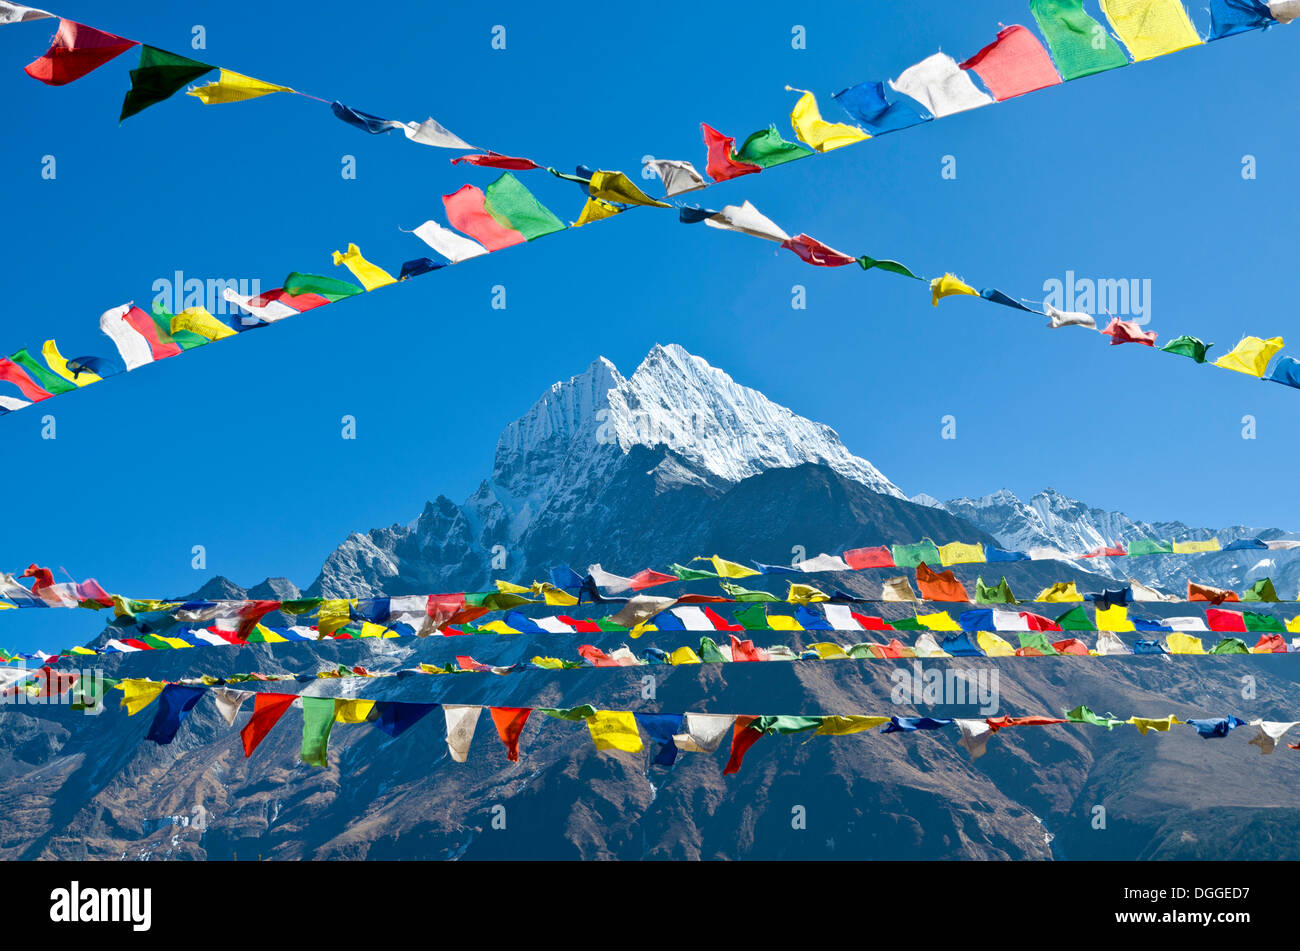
x=677, y=460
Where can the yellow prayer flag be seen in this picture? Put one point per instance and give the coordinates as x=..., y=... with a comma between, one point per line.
x=333, y=614
x=197, y=320
x=1151, y=28
x=553, y=595
x=993, y=645
x=549, y=663
x=1059, y=592
x=507, y=587
x=728, y=569
x=174, y=642
x=843, y=726
x=960, y=553
x=783, y=622
x=50, y=352
x=267, y=636
x=1251, y=356
x=595, y=210
x=938, y=622
x=1161, y=725
x=947, y=286
x=617, y=187
x=498, y=627
x=1184, y=644
x=1114, y=618
x=816, y=132
x=370, y=629
x=1188, y=548
x=611, y=730
x=370, y=275
x=805, y=594
x=234, y=87
x=138, y=694
x=353, y=711
x=829, y=651
x=684, y=655
x=1293, y=625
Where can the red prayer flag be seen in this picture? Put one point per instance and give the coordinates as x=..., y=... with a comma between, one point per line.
x=597, y=656
x=77, y=49
x=649, y=578
x=1014, y=64
x=872, y=623
x=744, y=650
x=1200, y=592
x=939, y=585
x=497, y=160
x=742, y=738
x=1228, y=622
x=1271, y=644
x=721, y=166
x=859, y=558
x=510, y=723
x=11, y=372
x=1104, y=552
x=267, y=710
x=997, y=723
x=585, y=626
x=720, y=623
x=814, y=252
x=299, y=302
x=1039, y=623
x=1126, y=331
x=1071, y=645
x=467, y=210
x=143, y=324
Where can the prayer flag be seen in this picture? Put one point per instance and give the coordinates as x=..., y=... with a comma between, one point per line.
x=77, y=50
x=158, y=76
x=1013, y=64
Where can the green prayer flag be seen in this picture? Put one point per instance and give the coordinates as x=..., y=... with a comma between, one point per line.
x=1258, y=623
x=513, y=206
x=331, y=288
x=1147, y=546
x=1080, y=45
x=1261, y=590
x=998, y=594
x=752, y=618
x=909, y=556
x=584, y=712
x=1039, y=642
x=605, y=624
x=1231, y=645
x=690, y=574
x=745, y=594
x=1186, y=346
x=867, y=263
x=500, y=602
x=47, y=380
x=300, y=606
x=317, y=721
x=766, y=148
x=159, y=75
x=1075, y=619
x=709, y=652
x=1082, y=714
x=906, y=624
x=861, y=651
x=89, y=692
x=786, y=724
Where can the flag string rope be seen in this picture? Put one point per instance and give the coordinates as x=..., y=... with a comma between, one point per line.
x=143, y=339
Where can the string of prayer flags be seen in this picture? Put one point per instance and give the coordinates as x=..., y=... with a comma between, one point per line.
x=721, y=165
x=1014, y=64
x=867, y=104
x=77, y=49
x=941, y=86
x=816, y=132
x=1151, y=28
x=231, y=86
x=1251, y=356
x=370, y=275
x=1080, y=46
x=158, y=76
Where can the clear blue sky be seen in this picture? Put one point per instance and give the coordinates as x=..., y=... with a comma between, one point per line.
x=1131, y=174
